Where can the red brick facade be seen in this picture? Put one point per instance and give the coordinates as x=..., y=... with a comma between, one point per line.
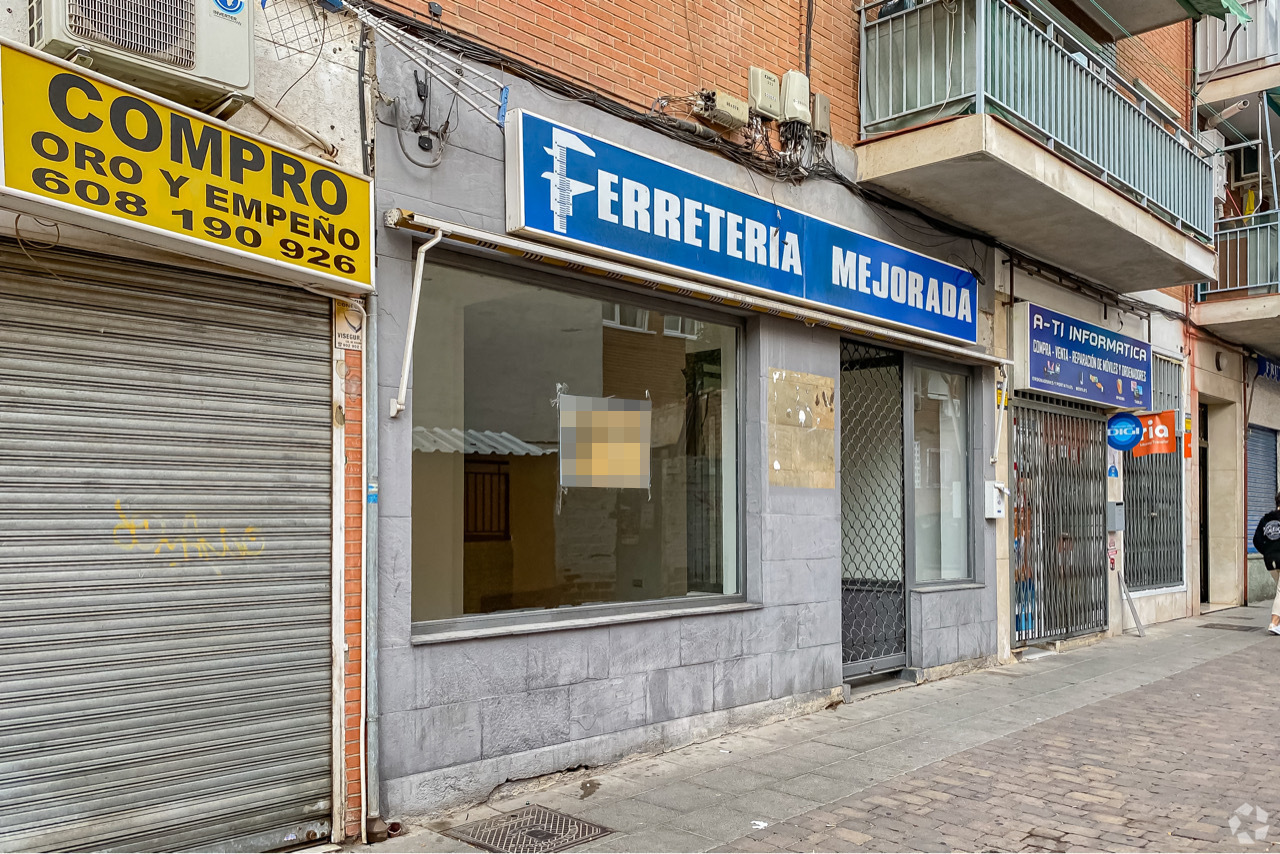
x=1162, y=60
x=638, y=50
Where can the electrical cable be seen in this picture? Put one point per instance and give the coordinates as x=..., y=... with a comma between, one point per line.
x=808, y=40
x=324, y=35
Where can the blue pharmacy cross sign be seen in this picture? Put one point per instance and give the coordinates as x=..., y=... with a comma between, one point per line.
x=569, y=187
x=1072, y=358
x=1124, y=431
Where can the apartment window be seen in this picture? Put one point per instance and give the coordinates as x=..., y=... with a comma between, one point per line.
x=681, y=327
x=560, y=462
x=620, y=316
x=488, y=501
x=941, y=474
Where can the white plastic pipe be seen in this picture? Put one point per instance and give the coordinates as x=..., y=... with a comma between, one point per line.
x=397, y=405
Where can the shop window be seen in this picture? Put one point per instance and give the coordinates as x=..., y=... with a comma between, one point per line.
x=559, y=461
x=941, y=475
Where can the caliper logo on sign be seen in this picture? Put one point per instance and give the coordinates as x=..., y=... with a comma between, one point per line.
x=81, y=141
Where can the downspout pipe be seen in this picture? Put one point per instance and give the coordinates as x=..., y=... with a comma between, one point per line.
x=397, y=405
x=373, y=780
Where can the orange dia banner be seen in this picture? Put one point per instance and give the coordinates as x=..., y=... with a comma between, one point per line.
x=1159, y=434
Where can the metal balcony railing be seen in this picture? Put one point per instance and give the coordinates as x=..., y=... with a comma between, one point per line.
x=1248, y=257
x=949, y=57
x=1219, y=47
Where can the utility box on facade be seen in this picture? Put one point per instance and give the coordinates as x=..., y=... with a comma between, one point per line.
x=1115, y=516
x=996, y=493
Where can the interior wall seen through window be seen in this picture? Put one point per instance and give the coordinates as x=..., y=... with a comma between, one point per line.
x=941, y=475
x=492, y=529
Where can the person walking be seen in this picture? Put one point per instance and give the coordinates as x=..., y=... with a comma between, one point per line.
x=1266, y=539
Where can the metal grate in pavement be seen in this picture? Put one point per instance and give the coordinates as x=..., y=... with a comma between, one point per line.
x=528, y=830
x=1230, y=627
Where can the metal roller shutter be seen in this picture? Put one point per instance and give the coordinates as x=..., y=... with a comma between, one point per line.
x=1058, y=513
x=165, y=558
x=1262, y=479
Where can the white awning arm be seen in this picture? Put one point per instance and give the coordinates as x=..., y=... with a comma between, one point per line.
x=397, y=405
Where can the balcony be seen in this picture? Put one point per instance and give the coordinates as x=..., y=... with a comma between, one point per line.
x=1243, y=305
x=1240, y=56
x=999, y=122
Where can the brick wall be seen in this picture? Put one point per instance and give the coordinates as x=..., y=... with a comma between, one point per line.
x=353, y=403
x=1162, y=59
x=638, y=50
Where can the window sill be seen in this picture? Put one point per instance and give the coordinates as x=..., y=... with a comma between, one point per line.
x=946, y=586
x=658, y=612
x=1157, y=591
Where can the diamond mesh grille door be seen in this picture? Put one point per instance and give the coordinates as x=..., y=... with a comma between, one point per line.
x=1059, y=521
x=873, y=577
x=1153, y=550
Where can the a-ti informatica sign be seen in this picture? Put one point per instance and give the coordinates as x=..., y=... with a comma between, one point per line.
x=1059, y=355
x=572, y=188
x=1268, y=370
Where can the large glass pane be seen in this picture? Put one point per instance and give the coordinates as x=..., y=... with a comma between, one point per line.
x=493, y=528
x=941, y=480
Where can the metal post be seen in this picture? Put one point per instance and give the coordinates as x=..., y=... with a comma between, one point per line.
x=980, y=59
x=862, y=73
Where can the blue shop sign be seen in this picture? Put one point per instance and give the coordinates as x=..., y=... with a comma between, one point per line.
x=572, y=188
x=1268, y=370
x=1070, y=358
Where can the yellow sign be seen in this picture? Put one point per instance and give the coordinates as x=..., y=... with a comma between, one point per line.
x=77, y=139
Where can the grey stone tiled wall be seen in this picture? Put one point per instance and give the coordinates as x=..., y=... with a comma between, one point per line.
x=458, y=718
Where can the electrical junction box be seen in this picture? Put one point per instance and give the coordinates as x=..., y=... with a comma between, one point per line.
x=1115, y=516
x=764, y=94
x=996, y=496
x=795, y=98
x=821, y=114
x=721, y=110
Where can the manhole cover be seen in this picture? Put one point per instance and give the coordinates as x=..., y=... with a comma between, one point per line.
x=1229, y=627
x=529, y=830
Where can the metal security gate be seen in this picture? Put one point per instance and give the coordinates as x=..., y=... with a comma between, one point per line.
x=872, y=491
x=1154, y=556
x=1059, y=517
x=165, y=558
x=1262, y=479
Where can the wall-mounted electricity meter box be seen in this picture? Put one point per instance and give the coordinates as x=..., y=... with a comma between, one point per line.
x=764, y=94
x=795, y=98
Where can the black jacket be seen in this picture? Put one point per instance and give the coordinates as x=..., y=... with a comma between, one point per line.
x=1266, y=539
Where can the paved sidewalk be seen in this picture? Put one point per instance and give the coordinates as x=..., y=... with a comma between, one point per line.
x=1128, y=744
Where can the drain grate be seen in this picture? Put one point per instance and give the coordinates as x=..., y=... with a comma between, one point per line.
x=1229, y=627
x=528, y=830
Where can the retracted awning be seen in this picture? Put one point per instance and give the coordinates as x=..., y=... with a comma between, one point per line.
x=1215, y=9
x=484, y=242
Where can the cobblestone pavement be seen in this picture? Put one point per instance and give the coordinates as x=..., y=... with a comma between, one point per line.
x=1131, y=744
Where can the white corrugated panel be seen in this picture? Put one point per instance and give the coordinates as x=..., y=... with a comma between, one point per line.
x=165, y=531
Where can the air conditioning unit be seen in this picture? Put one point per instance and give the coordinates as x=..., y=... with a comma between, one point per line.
x=196, y=52
x=1215, y=141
